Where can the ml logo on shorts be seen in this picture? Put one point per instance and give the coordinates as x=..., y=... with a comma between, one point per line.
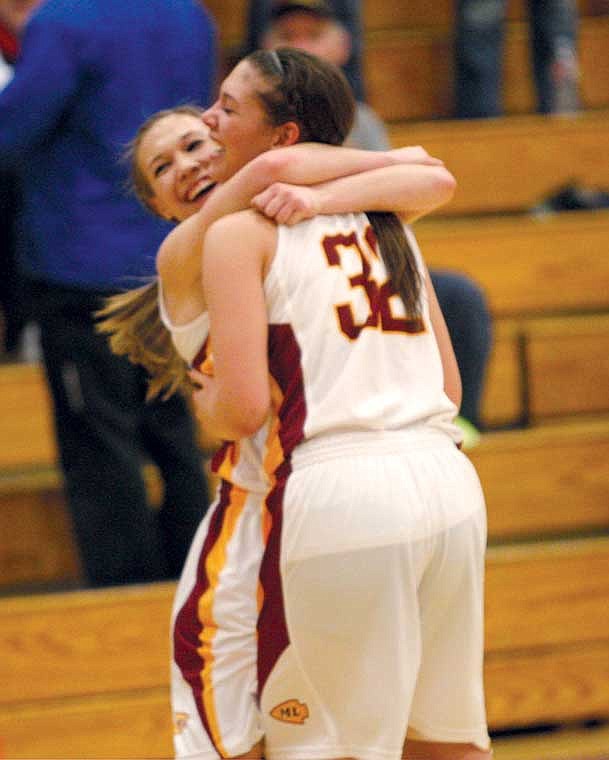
x=291, y=711
x=180, y=719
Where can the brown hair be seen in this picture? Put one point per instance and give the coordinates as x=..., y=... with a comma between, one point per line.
x=137, y=183
x=316, y=95
x=307, y=90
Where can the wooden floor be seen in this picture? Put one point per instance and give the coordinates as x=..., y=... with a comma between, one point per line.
x=574, y=744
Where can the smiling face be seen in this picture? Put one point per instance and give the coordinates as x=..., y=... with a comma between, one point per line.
x=173, y=157
x=238, y=122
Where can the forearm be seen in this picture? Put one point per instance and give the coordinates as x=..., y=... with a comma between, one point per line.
x=303, y=164
x=410, y=190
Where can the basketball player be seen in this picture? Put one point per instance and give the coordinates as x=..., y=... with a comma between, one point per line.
x=370, y=625
x=214, y=715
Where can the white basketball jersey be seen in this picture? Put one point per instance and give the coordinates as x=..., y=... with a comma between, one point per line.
x=341, y=351
x=243, y=462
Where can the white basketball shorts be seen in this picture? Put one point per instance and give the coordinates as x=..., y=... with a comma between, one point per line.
x=214, y=646
x=374, y=621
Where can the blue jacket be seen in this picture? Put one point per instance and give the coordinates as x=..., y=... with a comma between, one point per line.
x=90, y=72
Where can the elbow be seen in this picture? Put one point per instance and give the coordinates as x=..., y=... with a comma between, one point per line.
x=446, y=185
x=453, y=389
x=247, y=419
x=272, y=165
x=247, y=411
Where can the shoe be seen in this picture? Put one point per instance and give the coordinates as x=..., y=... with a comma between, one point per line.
x=471, y=435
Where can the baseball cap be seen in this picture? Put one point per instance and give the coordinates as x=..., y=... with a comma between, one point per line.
x=315, y=7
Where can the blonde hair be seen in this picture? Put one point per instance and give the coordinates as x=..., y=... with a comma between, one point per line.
x=133, y=322
x=132, y=319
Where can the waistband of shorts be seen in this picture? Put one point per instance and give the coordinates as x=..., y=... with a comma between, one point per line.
x=374, y=442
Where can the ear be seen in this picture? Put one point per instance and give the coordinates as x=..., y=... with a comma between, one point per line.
x=268, y=40
x=286, y=134
x=342, y=46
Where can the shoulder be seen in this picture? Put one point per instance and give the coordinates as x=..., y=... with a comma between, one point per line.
x=247, y=228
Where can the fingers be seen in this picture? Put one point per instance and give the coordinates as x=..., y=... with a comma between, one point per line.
x=285, y=204
x=268, y=202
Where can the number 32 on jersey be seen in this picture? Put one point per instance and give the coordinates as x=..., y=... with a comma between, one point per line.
x=358, y=260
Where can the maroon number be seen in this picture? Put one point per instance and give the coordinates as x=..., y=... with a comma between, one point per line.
x=380, y=315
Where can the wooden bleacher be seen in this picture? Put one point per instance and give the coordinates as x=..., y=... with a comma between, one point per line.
x=420, y=57
x=514, y=163
x=408, y=62
x=85, y=673
x=414, y=15
x=545, y=280
x=90, y=669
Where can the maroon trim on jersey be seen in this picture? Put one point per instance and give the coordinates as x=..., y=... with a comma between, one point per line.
x=285, y=368
x=222, y=453
x=9, y=44
x=188, y=626
x=201, y=355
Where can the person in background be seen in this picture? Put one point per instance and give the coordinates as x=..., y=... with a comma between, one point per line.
x=13, y=16
x=375, y=523
x=164, y=326
x=348, y=12
x=313, y=27
x=479, y=37
x=88, y=74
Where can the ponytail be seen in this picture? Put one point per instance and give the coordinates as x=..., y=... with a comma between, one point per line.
x=399, y=259
x=133, y=322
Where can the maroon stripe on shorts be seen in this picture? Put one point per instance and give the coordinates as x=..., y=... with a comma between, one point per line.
x=188, y=626
x=285, y=367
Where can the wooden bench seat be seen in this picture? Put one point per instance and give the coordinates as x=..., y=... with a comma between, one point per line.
x=37, y=544
x=27, y=427
x=562, y=488
x=547, y=645
x=525, y=265
x=83, y=665
x=512, y=164
x=547, y=367
x=136, y=725
x=568, y=366
x=546, y=481
x=558, y=465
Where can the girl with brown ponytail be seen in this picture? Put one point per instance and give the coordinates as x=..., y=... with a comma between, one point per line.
x=273, y=101
x=374, y=520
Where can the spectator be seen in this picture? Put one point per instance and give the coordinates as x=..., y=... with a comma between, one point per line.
x=313, y=27
x=348, y=12
x=480, y=29
x=13, y=16
x=88, y=74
